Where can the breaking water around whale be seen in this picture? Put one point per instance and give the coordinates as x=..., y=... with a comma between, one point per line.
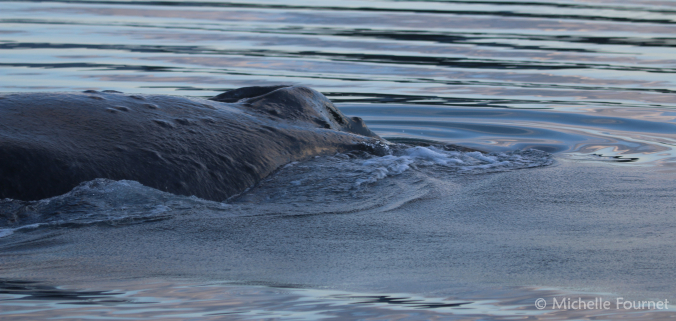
x=356, y=236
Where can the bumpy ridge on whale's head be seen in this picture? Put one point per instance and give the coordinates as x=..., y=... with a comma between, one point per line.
x=296, y=103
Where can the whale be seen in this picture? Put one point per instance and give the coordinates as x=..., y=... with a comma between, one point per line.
x=214, y=149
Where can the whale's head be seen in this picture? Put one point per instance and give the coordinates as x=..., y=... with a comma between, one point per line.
x=296, y=104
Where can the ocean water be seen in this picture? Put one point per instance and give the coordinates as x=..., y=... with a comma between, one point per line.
x=566, y=192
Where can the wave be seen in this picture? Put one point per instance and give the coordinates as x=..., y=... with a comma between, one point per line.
x=349, y=177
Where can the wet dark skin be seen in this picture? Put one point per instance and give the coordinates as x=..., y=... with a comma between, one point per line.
x=213, y=149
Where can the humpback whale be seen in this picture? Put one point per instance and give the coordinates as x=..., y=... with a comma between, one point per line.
x=210, y=148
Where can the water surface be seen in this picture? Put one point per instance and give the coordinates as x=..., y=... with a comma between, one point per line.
x=591, y=82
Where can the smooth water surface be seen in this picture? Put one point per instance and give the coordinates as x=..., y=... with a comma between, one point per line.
x=590, y=81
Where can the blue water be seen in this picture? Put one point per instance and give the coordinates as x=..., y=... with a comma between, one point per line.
x=591, y=82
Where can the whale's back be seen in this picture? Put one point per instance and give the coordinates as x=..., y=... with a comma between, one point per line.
x=51, y=142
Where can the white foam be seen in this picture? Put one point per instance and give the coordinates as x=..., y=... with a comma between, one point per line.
x=9, y=231
x=6, y=232
x=380, y=167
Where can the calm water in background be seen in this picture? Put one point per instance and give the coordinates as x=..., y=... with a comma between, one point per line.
x=589, y=81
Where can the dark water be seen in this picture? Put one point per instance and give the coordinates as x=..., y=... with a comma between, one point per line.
x=405, y=237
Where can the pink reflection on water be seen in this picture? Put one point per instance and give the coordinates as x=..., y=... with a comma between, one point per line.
x=170, y=300
x=356, y=18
